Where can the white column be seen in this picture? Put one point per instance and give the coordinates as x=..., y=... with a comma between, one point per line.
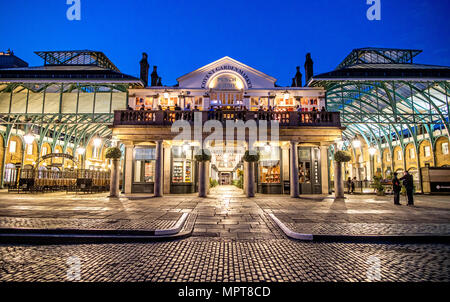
x=294, y=185
x=166, y=168
x=128, y=168
x=157, y=192
x=324, y=173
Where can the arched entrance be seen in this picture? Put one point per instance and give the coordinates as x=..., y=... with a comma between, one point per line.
x=226, y=90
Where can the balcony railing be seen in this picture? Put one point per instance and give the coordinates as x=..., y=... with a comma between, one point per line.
x=165, y=117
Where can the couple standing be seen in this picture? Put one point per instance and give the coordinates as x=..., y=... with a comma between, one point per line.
x=408, y=183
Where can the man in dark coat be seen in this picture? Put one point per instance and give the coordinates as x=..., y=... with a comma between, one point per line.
x=408, y=183
x=396, y=187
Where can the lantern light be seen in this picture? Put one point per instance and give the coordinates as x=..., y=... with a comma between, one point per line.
x=356, y=142
x=372, y=150
x=29, y=138
x=80, y=150
x=267, y=147
x=166, y=95
x=97, y=141
x=286, y=95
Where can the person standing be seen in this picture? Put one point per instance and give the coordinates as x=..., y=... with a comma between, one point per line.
x=349, y=184
x=408, y=183
x=353, y=184
x=396, y=187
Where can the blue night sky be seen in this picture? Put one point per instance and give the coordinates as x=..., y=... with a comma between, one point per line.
x=181, y=36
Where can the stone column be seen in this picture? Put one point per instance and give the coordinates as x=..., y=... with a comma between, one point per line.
x=324, y=171
x=114, y=182
x=294, y=185
x=158, y=192
x=166, y=168
x=338, y=180
x=202, y=179
x=3, y=168
x=128, y=168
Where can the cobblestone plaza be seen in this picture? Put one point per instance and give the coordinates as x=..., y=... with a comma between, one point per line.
x=233, y=238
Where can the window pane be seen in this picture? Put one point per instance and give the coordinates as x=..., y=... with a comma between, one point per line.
x=149, y=172
x=137, y=171
x=145, y=154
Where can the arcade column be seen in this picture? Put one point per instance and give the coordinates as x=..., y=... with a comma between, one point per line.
x=158, y=189
x=294, y=171
x=324, y=170
x=128, y=167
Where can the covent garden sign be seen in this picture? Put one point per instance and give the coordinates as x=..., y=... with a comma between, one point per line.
x=210, y=73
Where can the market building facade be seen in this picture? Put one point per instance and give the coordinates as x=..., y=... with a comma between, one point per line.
x=390, y=113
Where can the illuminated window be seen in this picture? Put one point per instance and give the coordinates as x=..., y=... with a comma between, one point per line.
x=95, y=152
x=445, y=148
x=427, y=151
x=412, y=154
x=44, y=151
x=269, y=164
x=30, y=149
x=399, y=155
x=12, y=146
x=144, y=165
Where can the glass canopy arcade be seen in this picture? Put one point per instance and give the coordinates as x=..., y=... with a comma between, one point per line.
x=384, y=97
x=67, y=101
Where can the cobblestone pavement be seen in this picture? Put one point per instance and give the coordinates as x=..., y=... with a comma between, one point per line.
x=226, y=213
x=369, y=228
x=217, y=259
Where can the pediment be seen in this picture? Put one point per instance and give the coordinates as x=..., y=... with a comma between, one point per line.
x=250, y=77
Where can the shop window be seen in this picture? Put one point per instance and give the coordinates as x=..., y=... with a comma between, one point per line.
x=173, y=101
x=254, y=101
x=182, y=164
x=445, y=148
x=427, y=151
x=12, y=146
x=269, y=164
x=198, y=101
x=304, y=165
x=144, y=165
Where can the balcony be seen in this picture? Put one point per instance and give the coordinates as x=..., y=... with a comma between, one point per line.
x=285, y=119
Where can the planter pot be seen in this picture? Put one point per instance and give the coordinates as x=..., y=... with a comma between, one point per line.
x=338, y=180
x=202, y=179
x=380, y=193
x=250, y=175
x=114, y=183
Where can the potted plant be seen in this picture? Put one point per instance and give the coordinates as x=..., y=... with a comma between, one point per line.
x=203, y=155
x=114, y=154
x=251, y=157
x=339, y=158
x=378, y=186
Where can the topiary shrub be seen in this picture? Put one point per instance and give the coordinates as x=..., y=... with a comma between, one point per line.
x=203, y=155
x=378, y=185
x=213, y=183
x=113, y=153
x=251, y=158
x=342, y=156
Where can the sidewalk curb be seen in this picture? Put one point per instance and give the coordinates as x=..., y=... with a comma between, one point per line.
x=407, y=238
x=182, y=229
